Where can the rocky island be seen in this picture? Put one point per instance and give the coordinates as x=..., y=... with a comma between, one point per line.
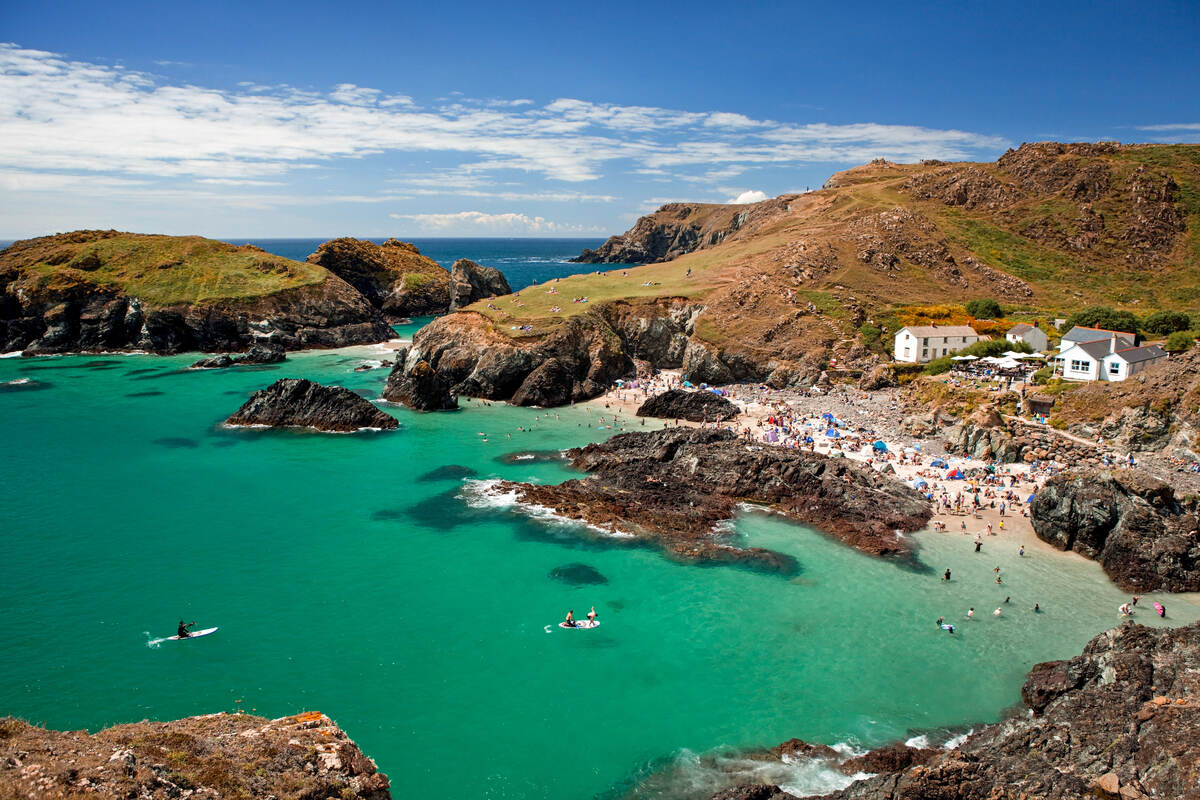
x=672, y=487
x=1120, y=721
x=692, y=406
x=299, y=403
x=219, y=755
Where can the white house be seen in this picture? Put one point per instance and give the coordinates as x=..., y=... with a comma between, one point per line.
x=1031, y=335
x=917, y=344
x=1105, y=359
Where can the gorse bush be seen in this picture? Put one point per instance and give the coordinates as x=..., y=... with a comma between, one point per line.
x=1180, y=341
x=1104, y=317
x=1161, y=323
x=984, y=309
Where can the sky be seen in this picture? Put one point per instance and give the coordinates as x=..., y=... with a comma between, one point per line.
x=316, y=119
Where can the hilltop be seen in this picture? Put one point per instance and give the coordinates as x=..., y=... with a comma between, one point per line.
x=774, y=290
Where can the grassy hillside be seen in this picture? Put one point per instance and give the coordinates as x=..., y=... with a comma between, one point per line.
x=161, y=270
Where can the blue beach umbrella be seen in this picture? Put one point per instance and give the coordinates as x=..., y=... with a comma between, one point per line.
x=880, y=445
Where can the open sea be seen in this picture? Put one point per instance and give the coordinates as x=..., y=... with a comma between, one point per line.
x=374, y=577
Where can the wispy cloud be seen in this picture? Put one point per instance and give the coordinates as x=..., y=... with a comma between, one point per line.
x=1173, y=126
x=480, y=222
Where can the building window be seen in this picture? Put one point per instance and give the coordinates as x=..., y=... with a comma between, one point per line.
x=925, y=342
x=924, y=354
x=1114, y=368
x=907, y=352
x=1080, y=366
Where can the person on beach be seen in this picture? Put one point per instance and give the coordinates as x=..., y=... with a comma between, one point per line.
x=570, y=620
x=183, y=631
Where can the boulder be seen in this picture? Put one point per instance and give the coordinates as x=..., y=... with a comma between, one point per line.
x=418, y=387
x=698, y=406
x=470, y=282
x=220, y=361
x=880, y=376
x=257, y=354
x=300, y=403
x=547, y=386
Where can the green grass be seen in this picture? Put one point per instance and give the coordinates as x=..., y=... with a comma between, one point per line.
x=166, y=270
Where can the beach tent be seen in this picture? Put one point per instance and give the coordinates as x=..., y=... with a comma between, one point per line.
x=938, y=462
x=919, y=483
x=772, y=435
x=954, y=475
x=880, y=445
x=808, y=440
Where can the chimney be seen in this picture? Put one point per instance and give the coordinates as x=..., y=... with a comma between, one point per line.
x=1112, y=344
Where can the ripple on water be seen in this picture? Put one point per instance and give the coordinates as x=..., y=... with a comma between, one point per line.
x=151, y=393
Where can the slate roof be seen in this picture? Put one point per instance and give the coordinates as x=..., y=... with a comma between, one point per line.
x=940, y=330
x=1136, y=355
x=1081, y=334
x=1020, y=328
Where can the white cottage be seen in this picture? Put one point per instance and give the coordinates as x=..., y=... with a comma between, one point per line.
x=1112, y=359
x=1031, y=335
x=917, y=344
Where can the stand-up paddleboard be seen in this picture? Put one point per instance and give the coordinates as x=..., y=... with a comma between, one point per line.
x=581, y=624
x=204, y=632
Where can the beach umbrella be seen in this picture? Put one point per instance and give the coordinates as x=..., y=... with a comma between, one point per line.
x=954, y=475
x=880, y=445
x=832, y=434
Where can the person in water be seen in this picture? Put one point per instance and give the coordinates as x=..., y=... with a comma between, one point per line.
x=1037, y=609
x=570, y=621
x=946, y=577
x=183, y=631
x=1162, y=611
x=591, y=615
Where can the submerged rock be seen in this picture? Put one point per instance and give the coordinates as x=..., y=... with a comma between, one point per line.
x=693, y=406
x=300, y=403
x=1143, y=536
x=217, y=755
x=450, y=472
x=578, y=575
x=673, y=486
x=257, y=354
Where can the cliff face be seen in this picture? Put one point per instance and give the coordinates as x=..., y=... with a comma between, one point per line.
x=470, y=282
x=103, y=290
x=1121, y=721
x=1133, y=525
x=393, y=276
x=219, y=755
x=673, y=486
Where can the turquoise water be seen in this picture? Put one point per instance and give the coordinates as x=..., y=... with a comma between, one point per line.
x=342, y=581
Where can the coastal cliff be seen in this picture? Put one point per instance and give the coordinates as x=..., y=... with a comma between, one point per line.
x=672, y=487
x=775, y=291
x=1145, y=538
x=107, y=291
x=1120, y=721
x=393, y=276
x=219, y=755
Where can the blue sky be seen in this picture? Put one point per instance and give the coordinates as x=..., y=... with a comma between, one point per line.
x=546, y=119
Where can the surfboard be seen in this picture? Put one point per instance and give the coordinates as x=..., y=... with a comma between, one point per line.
x=583, y=623
x=204, y=632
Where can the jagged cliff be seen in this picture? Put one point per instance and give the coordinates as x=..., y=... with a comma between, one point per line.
x=773, y=290
x=393, y=276
x=220, y=755
x=105, y=290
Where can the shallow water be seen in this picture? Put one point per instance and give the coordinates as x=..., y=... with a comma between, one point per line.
x=347, y=574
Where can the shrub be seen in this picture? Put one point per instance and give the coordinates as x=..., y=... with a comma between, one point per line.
x=1180, y=341
x=938, y=366
x=1103, y=317
x=1160, y=323
x=870, y=333
x=1042, y=376
x=984, y=309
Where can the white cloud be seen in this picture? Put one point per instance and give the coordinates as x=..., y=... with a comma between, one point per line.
x=480, y=222
x=750, y=196
x=1174, y=126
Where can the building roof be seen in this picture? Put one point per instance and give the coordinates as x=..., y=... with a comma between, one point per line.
x=1081, y=334
x=940, y=330
x=1097, y=348
x=1021, y=328
x=1136, y=355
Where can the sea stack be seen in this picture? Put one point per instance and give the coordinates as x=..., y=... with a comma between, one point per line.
x=300, y=403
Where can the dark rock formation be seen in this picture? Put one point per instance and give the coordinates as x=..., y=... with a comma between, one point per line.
x=889, y=758
x=1143, y=536
x=299, y=403
x=450, y=472
x=880, y=376
x=218, y=755
x=673, y=486
x=257, y=354
x=418, y=386
x=700, y=406
x=1121, y=721
x=393, y=276
x=578, y=575
x=470, y=282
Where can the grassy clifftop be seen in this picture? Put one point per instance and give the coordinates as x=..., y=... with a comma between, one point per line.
x=161, y=270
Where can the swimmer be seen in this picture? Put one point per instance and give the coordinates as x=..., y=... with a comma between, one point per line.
x=1037, y=609
x=998, y=581
x=971, y=613
x=1007, y=599
x=978, y=545
x=996, y=613
x=940, y=621
x=946, y=577
x=1161, y=609
x=1021, y=550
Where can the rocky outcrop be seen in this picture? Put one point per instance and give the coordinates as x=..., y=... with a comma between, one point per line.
x=880, y=376
x=91, y=291
x=672, y=487
x=679, y=228
x=218, y=755
x=1143, y=536
x=300, y=403
x=700, y=406
x=418, y=386
x=470, y=282
x=257, y=354
x=1121, y=721
x=393, y=276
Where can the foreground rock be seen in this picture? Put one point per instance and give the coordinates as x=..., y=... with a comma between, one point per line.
x=257, y=354
x=91, y=291
x=1122, y=720
x=219, y=755
x=300, y=403
x=470, y=282
x=1145, y=538
x=672, y=487
x=693, y=406
x=393, y=276
x=418, y=386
